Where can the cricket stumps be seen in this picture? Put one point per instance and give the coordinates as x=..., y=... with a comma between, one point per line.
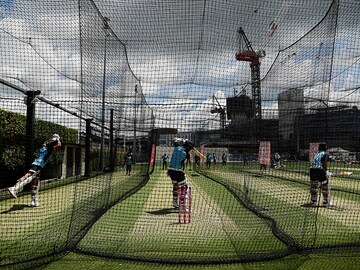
x=184, y=201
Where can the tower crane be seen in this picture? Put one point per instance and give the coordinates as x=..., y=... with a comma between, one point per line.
x=247, y=53
x=222, y=112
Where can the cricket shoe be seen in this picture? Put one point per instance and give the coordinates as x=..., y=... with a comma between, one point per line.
x=175, y=204
x=35, y=201
x=183, y=209
x=326, y=203
x=12, y=191
x=312, y=203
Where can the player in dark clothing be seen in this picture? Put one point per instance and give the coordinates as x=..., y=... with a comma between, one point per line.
x=128, y=161
x=165, y=159
x=224, y=159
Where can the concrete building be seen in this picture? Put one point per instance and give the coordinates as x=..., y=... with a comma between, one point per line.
x=338, y=126
x=291, y=107
x=298, y=126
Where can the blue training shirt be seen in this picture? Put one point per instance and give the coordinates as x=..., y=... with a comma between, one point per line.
x=317, y=161
x=43, y=157
x=177, y=159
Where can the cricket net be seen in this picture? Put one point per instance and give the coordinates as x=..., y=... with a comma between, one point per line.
x=255, y=85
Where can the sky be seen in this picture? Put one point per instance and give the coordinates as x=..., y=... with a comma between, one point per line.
x=180, y=53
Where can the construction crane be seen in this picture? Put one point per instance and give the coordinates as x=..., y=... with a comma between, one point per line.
x=247, y=53
x=222, y=112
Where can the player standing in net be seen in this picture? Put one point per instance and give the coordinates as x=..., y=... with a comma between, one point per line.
x=165, y=159
x=32, y=176
x=177, y=166
x=318, y=173
x=128, y=161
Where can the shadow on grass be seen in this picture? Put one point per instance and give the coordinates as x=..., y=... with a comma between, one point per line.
x=16, y=207
x=164, y=211
x=332, y=207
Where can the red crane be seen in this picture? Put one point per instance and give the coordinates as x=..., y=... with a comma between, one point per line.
x=247, y=53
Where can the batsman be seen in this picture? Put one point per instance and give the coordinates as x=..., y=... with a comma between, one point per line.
x=181, y=153
x=318, y=174
x=32, y=176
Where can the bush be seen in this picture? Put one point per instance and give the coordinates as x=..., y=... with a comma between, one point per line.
x=13, y=139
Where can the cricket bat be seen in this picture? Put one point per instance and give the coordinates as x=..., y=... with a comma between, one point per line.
x=197, y=152
x=345, y=173
x=341, y=174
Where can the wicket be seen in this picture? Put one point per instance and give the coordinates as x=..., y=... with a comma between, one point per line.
x=184, y=201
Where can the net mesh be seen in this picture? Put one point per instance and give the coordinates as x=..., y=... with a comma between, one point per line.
x=114, y=77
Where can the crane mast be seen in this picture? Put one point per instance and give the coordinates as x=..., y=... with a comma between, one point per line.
x=222, y=112
x=247, y=53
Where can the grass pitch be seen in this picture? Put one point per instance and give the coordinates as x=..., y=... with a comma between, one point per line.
x=142, y=230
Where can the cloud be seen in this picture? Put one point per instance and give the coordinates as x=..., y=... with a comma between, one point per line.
x=182, y=52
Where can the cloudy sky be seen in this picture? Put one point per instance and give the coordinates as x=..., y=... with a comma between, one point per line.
x=179, y=53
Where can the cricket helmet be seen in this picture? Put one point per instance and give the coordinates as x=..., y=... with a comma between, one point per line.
x=323, y=146
x=178, y=141
x=188, y=144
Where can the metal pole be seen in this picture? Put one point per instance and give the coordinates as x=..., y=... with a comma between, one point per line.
x=134, y=141
x=102, y=148
x=30, y=127
x=111, y=143
x=87, y=147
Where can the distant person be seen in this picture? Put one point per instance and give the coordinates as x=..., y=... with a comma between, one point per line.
x=197, y=160
x=128, y=162
x=245, y=158
x=164, y=159
x=32, y=176
x=208, y=160
x=318, y=174
x=277, y=160
x=224, y=159
x=214, y=158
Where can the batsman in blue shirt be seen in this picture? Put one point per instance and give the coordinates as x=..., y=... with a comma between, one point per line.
x=177, y=166
x=318, y=174
x=47, y=148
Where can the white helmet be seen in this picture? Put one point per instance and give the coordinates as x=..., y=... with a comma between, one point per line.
x=56, y=136
x=178, y=141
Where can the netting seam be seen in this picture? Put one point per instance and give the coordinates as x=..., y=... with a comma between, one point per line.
x=100, y=212
x=294, y=43
x=247, y=203
x=200, y=42
x=122, y=43
x=312, y=29
x=42, y=57
x=301, y=247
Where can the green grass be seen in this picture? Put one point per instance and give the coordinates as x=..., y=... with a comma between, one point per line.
x=244, y=219
x=279, y=194
x=47, y=227
x=143, y=226
x=239, y=231
x=74, y=261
